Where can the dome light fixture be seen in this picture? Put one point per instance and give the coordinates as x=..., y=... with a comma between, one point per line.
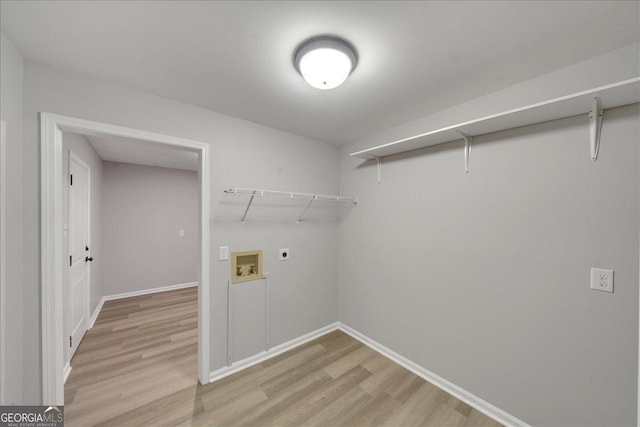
x=325, y=62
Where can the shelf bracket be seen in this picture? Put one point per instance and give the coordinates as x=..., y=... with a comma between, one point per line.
x=246, y=211
x=467, y=149
x=305, y=210
x=379, y=161
x=595, y=126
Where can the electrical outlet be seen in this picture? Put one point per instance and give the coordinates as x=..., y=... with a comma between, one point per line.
x=284, y=254
x=602, y=280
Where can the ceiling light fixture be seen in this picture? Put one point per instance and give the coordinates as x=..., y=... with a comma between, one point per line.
x=325, y=62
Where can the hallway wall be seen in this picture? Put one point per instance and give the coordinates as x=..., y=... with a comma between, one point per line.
x=144, y=207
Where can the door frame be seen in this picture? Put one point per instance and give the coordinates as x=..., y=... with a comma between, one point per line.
x=51, y=224
x=87, y=306
x=3, y=259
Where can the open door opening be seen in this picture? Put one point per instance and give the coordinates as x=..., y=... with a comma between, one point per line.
x=79, y=257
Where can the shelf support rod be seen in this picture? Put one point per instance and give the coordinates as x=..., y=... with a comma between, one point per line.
x=305, y=210
x=595, y=126
x=246, y=211
x=379, y=161
x=467, y=149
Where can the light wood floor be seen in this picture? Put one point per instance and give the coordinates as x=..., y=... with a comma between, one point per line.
x=137, y=366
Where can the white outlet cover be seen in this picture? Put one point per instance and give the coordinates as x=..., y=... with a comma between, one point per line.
x=284, y=254
x=602, y=279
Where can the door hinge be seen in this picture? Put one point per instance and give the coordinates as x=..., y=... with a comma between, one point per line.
x=71, y=179
x=70, y=341
x=70, y=260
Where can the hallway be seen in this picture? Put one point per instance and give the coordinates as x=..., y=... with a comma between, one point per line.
x=141, y=350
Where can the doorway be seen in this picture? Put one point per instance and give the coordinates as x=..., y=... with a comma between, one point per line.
x=51, y=126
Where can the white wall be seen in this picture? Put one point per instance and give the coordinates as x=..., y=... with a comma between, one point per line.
x=83, y=149
x=304, y=289
x=144, y=207
x=11, y=98
x=484, y=278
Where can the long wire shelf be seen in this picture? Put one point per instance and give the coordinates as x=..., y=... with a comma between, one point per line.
x=252, y=193
x=591, y=102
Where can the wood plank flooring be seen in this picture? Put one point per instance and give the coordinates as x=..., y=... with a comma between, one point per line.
x=138, y=366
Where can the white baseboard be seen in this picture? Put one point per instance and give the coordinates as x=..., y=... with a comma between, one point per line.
x=92, y=321
x=218, y=374
x=65, y=372
x=454, y=390
x=94, y=316
x=150, y=291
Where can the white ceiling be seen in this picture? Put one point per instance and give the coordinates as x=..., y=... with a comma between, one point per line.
x=236, y=57
x=127, y=150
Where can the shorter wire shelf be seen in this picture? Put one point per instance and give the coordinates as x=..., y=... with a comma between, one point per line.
x=252, y=193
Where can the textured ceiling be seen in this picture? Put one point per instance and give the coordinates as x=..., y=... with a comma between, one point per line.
x=236, y=57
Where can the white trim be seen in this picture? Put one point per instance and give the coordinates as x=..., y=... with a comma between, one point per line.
x=96, y=313
x=238, y=366
x=204, y=295
x=106, y=298
x=51, y=261
x=229, y=325
x=454, y=390
x=3, y=254
x=66, y=371
x=150, y=291
x=51, y=242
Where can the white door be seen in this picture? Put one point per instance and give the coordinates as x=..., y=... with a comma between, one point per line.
x=79, y=256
